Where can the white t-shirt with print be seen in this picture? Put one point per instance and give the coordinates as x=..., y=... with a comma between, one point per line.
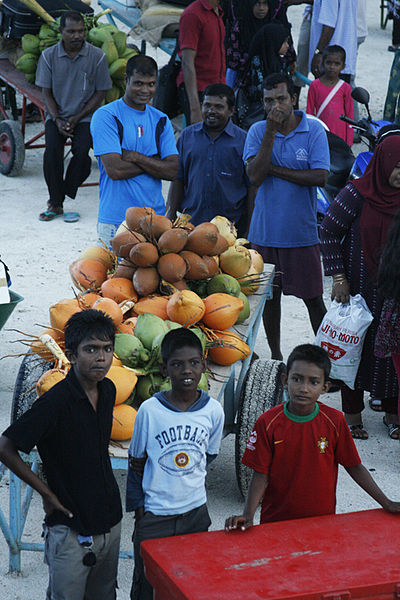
x=176, y=443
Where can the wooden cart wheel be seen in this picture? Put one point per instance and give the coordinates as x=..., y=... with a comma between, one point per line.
x=24, y=390
x=262, y=389
x=12, y=148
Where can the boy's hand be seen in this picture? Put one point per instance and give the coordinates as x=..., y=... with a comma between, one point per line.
x=52, y=503
x=137, y=464
x=238, y=522
x=392, y=507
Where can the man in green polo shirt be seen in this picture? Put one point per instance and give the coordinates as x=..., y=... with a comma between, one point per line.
x=74, y=78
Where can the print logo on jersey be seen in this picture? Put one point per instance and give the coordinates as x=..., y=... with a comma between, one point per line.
x=322, y=444
x=301, y=154
x=140, y=130
x=252, y=441
x=177, y=462
x=181, y=460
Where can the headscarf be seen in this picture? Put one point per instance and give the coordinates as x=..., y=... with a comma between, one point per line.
x=381, y=200
x=266, y=44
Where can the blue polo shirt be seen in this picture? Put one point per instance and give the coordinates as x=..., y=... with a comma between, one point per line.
x=115, y=126
x=213, y=173
x=284, y=213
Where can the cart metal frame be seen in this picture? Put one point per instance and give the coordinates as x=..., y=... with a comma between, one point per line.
x=229, y=396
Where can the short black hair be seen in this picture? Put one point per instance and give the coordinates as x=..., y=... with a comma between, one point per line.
x=222, y=91
x=177, y=338
x=311, y=354
x=334, y=49
x=72, y=15
x=271, y=81
x=141, y=64
x=89, y=323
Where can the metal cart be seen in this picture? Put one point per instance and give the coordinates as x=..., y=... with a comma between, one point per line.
x=248, y=388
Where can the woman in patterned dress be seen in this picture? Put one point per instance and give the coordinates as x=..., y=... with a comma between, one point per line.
x=353, y=234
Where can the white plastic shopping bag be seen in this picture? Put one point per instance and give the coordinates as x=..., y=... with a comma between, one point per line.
x=342, y=334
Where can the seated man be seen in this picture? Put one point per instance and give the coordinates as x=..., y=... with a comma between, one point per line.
x=74, y=78
x=212, y=177
x=135, y=147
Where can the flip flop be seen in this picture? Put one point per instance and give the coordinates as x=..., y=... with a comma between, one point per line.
x=358, y=432
x=71, y=217
x=393, y=429
x=375, y=404
x=49, y=215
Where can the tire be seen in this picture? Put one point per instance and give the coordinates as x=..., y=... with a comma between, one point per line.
x=24, y=390
x=262, y=389
x=12, y=148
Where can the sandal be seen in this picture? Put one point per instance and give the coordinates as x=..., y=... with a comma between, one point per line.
x=375, y=404
x=51, y=213
x=71, y=217
x=358, y=432
x=393, y=429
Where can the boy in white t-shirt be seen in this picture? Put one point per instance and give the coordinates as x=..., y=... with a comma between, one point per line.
x=177, y=433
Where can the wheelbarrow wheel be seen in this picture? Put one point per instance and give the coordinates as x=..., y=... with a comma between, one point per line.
x=262, y=389
x=12, y=148
x=24, y=390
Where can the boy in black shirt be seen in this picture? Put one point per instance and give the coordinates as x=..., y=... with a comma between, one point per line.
x=71, y=426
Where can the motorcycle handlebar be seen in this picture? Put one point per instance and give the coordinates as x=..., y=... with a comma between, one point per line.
x=348, y=120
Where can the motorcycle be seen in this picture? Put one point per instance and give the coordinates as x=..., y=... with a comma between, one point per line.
x=344, y=165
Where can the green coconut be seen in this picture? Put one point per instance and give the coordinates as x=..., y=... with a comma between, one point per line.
x=201, y=335
x=172, y=325
x=245, y=312
x=97, y=36
x=225, y=284
x=110, y=50
x=130, y=350
x=148, y=326
x=112, y=94
x=27, y=63
x=119, y=39
x=148, y=385
x=30, y=44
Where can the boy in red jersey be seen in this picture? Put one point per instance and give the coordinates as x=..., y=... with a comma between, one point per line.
x=295, y=449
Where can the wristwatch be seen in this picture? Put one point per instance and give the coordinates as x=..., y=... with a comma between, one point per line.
x=317, y=52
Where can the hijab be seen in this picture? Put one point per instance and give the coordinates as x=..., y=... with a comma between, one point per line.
x=381, y=200
x=266, y=44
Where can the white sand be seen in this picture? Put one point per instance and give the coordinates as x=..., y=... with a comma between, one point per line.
x=38, y=255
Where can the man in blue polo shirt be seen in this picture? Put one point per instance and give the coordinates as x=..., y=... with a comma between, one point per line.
x=287, y=156
x=212, y=177
x=135, y=147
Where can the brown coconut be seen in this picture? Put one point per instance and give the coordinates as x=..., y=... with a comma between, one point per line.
x=212, y=265
x=197, y=268
x=125, y=269
x=134, y=214
x=172, y=240
x=153, y=226
x=146, y=280
x=202, y=239
x=172, y=267
x=144, y=254
x=122, y=243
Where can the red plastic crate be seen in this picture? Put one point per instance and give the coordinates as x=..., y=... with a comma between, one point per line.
x=337, y=557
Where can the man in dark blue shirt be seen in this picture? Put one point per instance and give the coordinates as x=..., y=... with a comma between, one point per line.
x=212, y=177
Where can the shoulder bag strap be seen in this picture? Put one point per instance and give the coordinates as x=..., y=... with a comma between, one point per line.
x=329, y=97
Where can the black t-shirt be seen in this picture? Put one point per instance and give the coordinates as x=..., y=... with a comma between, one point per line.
x=72, y=440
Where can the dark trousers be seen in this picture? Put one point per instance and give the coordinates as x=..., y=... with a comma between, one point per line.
x=184, y=102
x=353, y=402
x=396, y=32
x=53, y=161
x=152, y=526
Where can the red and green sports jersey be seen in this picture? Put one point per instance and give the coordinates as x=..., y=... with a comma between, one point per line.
x=300, y=455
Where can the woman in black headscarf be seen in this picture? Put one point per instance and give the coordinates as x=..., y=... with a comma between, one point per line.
x=243, y=19
x=266, y=55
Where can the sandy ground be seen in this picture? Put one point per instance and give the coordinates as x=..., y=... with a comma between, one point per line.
x=38, y=255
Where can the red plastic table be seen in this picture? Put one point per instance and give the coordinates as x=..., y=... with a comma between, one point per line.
x=337, y=557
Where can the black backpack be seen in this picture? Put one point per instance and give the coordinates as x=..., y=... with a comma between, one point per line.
x=16, y=19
